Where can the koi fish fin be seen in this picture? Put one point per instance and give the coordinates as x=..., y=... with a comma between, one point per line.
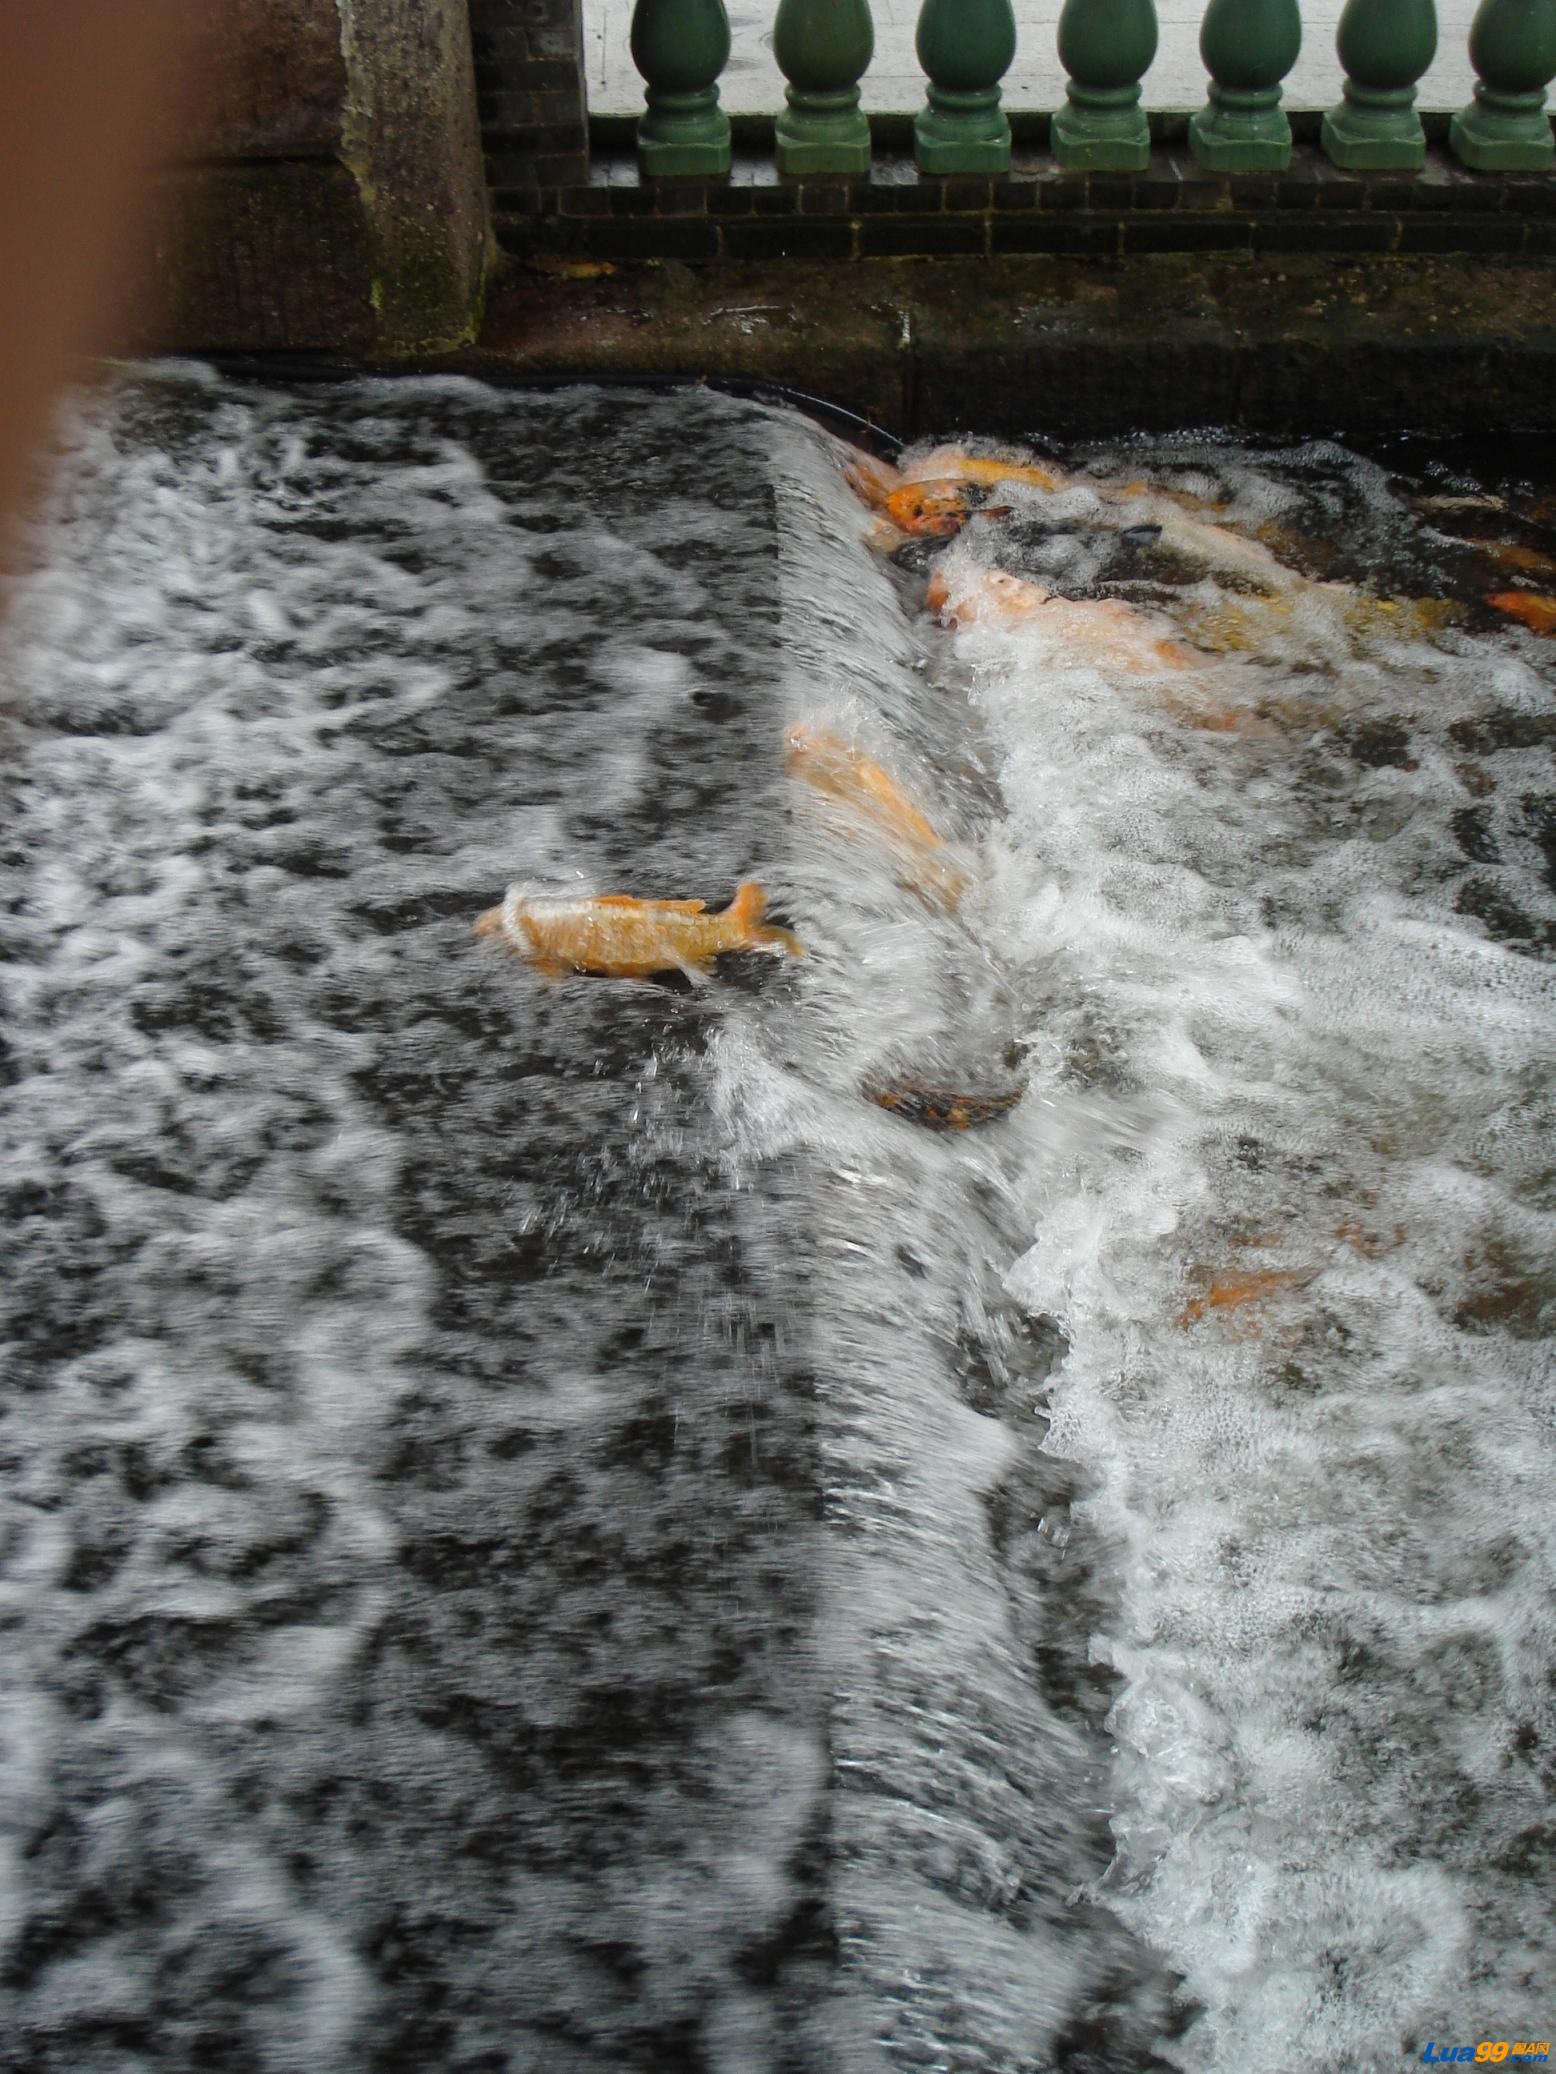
x=489, y=924
x=749, y=904
x=777, y=940
x=665, y=907
x=553, y=968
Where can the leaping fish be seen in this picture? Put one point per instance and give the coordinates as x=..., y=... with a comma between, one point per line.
x=873, y=795
x=952, y=464
x=1234, y=1289
x=626, y=938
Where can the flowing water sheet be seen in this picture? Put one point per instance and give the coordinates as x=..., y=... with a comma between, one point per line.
x=1261, y=794
x=567, y=1525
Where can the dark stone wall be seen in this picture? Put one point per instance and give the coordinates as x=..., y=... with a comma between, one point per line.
x=1054, y=345
x=258, y=258
x=322, y=187
x=271, y=80
x=331, y=185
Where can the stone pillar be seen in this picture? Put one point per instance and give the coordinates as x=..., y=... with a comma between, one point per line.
x=324, y=187
x=411, y=144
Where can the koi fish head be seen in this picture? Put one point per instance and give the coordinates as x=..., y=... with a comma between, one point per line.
x=988, y=594
x=940, y=508
x=807, y=739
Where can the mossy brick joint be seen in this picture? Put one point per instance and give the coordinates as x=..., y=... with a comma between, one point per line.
x=368, y=176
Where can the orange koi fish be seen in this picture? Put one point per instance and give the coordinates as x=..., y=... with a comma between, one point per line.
x=1244, y=624
x=1512, y=554
x=951, y=464
x=1218, y=547
x=930, y=508
x=627, y=938
x=1238, y=1289
x=1104, y=630
x=871, y=793
x=929, y=496
x=875, y=481
x=1536, y=612
x=871, y=481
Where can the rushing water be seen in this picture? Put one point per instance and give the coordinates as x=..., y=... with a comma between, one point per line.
x=543, y=1529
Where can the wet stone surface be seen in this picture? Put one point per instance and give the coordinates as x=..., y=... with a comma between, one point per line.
x=545, y=1529
x=408, y=1498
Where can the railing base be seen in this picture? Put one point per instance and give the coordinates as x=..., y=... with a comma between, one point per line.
x=1241, y=130
x=1375, y=135
x=962, y=133
x=1503, y=133
x=1102, y=141
x=811, y=138
x=684, y=136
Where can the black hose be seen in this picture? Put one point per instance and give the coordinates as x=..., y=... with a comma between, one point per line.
x=325, y=367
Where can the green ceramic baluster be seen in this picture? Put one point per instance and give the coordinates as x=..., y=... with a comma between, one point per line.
x=1106, y=46
x=1248, y=47
x=965, y=48
x=1505, y=129
x=681, y=47
x=1385, y=46
x=823, y=48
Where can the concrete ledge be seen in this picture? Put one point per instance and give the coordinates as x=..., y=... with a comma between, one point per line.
x=1033, y=343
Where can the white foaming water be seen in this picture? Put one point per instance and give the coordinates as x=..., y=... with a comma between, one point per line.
x=968, y=1806
x=543, y=1528
x=1285, y=1166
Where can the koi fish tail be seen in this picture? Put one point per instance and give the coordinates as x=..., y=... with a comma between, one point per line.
x=778, y=940
x=490, y=923
x=746, y=911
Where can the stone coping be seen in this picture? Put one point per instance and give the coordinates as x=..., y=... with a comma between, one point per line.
x=1174, y=206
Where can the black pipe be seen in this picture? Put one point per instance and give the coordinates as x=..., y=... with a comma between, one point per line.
x=324, y=367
